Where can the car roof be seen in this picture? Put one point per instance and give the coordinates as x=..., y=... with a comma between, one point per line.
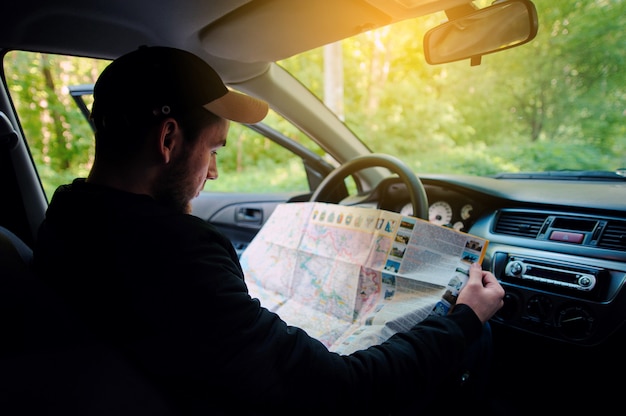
x=239, y=38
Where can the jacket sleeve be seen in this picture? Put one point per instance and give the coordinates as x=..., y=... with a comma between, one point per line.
x=223, y=345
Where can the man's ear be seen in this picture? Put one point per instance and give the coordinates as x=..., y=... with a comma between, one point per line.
x=169, y=136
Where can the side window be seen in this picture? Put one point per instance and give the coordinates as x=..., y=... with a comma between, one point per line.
x=58, y=135
x=252, y=162
x=49, y=90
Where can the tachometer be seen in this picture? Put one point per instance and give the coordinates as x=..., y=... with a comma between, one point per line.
x=440, y=213
x=407, y=210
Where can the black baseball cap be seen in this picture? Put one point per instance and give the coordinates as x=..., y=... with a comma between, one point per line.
x=162, y=80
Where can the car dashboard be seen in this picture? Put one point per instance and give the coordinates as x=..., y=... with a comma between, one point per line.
x=557, y=246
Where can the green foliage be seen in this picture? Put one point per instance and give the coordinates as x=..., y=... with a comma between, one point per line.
x=269, y=176
x=565, y=88
x=59, y=137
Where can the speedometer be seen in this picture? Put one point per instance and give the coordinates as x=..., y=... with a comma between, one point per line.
x=440, y=213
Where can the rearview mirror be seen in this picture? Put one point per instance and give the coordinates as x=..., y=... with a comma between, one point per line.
x=501, y=26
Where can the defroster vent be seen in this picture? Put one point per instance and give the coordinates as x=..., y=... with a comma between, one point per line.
x=519, y=223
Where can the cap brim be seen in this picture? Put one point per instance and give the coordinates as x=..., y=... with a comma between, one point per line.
x=238, y=107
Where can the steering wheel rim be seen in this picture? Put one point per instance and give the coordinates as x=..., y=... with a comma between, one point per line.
x=417, y=193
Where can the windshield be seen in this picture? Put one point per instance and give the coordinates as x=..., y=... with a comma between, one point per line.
x=556, y=103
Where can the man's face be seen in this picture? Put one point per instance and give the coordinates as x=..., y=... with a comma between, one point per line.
x=184, y=177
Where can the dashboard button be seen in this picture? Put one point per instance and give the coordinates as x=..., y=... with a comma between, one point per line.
x=567, y=237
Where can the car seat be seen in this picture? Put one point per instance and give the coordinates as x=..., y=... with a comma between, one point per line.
x=49, y=364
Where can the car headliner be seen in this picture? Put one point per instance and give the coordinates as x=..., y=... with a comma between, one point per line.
x=237, y=37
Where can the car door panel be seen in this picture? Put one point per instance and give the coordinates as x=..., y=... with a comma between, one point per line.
x=238, y=215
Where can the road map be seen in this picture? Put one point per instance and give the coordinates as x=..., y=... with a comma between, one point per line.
x=353, y=276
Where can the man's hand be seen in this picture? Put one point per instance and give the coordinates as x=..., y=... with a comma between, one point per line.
x=482, y=292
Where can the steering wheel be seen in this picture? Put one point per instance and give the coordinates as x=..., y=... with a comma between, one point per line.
x=419, y=200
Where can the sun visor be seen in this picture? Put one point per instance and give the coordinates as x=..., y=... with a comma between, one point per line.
x=270, y=31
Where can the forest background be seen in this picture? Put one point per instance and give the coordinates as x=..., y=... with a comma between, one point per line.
x=558, y=102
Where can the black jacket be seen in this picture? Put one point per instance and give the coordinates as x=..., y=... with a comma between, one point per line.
x=168, y=290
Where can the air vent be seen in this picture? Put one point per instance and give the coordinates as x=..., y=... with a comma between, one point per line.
x=614, y=236
x=522, y=224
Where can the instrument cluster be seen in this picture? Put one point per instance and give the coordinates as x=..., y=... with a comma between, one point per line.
x=448, y=208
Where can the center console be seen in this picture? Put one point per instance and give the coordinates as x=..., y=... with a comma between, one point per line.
x=567, y=298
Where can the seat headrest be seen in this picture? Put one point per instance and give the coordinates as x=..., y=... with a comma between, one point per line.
x=15, y=255
x=8, y=136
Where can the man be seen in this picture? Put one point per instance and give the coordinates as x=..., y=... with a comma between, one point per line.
x=167, y=289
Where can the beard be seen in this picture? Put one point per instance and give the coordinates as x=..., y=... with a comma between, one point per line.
x=175, y=188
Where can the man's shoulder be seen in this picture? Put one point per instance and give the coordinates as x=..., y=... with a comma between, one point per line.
x=191, y=230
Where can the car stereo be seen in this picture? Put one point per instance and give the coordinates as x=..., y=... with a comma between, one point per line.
x=551, y=273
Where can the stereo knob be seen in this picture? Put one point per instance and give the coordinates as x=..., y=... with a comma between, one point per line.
x=585, y=281
x=515, y=268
